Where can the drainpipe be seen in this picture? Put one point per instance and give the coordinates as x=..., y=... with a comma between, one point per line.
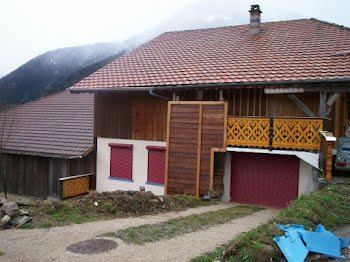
x=156, y=95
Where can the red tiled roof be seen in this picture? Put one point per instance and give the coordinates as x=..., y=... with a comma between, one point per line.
x=60, y=124
x=284, y=51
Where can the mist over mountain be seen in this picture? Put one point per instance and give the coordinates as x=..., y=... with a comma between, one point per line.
x=51, y=69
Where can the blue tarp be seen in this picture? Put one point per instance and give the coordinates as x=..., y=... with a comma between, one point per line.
x=292, y=247
x=297, y=242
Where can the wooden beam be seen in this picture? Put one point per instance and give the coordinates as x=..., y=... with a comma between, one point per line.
x=301, y=105
x=322, y=112
x=199, y=148
x=331, y=101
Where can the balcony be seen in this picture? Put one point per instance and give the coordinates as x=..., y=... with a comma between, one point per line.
x=275, y=133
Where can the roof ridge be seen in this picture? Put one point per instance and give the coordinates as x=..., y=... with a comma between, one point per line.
x=329, y=23
x=33, y=101
x=227, y=26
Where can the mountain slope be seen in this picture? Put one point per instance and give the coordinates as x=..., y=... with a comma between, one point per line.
x=81, y=74
x=47, y=71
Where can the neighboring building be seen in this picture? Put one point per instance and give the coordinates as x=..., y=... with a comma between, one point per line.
x=45, y=140
x=248, y=106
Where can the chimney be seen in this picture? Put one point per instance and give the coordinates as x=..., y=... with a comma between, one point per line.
x=255, y=24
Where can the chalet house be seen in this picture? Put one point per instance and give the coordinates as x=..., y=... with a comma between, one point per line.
x=234, y=112
x=45, y=140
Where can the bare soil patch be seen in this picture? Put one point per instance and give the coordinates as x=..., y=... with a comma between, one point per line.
x=106, y=205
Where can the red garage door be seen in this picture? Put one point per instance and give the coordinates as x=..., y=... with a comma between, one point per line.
x=264, y=179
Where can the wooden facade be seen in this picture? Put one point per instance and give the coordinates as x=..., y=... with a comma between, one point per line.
x=189, y=128
x=39, y=176
x=132, y=116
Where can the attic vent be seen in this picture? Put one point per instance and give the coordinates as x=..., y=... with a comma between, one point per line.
x=255, y=20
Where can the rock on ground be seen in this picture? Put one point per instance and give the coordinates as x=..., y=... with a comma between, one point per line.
x=23, y=212
x=19, y=220
x=2, y=201
x=10, y=208
x=5, y=220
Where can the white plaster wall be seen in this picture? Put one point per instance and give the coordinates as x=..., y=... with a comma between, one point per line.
x=139, y=166
x=307, y=178
x=226, y=197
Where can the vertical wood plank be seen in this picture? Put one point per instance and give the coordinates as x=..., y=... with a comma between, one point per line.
x=254, y=101
x=247, y=113
x=212, y=154
x=260, y=94
x=240, y=102
x=199, y=147
x=267, y=106
x=167, y=150
x=234, y=101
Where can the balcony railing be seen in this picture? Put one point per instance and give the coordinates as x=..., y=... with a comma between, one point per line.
x=274, y=133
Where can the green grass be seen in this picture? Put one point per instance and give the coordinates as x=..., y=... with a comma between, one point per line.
x=1, y=253
x=174, y=227
x=330, y=206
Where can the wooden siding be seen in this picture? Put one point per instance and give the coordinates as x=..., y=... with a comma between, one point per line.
x=194, y=128
x=140, y=117
x=252, y=101
x=38, y=176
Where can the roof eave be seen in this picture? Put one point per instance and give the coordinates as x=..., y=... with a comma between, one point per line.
x=104, y=89
x=40, y=154
x=208, y=85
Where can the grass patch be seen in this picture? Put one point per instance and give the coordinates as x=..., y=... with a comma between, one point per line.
x=174, y=227
x=106, y=205
x=1, y=253
x=330, y=206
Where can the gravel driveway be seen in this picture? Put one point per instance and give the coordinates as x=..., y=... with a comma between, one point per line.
x=38, y=245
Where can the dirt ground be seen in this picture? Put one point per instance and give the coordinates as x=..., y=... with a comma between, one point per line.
x=51, y=244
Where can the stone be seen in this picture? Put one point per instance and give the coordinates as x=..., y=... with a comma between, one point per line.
x=20, y=220
x=2, y=213
x=23, y=212
x=5, y=220
x=2, y=201
x=23, y=203
x=10, y=208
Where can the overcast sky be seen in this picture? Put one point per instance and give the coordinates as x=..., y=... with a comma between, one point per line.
x=30, y=28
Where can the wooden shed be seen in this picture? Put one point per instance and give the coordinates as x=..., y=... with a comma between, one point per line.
x=45, y=140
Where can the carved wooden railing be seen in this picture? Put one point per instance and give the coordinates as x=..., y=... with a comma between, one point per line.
x=75, y=185
x=274, y=133
x=248, y=132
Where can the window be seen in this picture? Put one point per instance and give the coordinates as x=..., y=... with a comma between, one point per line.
x=156, y=164
x=121, y=161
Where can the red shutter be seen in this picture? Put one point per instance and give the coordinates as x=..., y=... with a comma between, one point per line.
x=264, y=179
x=156, y=164
x=121, y=161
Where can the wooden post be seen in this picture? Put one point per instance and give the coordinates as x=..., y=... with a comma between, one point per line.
x=221, y=95
x=167, y=150
x=174, y=96
x=199, y=148
x=323, y=105
x=329, y=161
